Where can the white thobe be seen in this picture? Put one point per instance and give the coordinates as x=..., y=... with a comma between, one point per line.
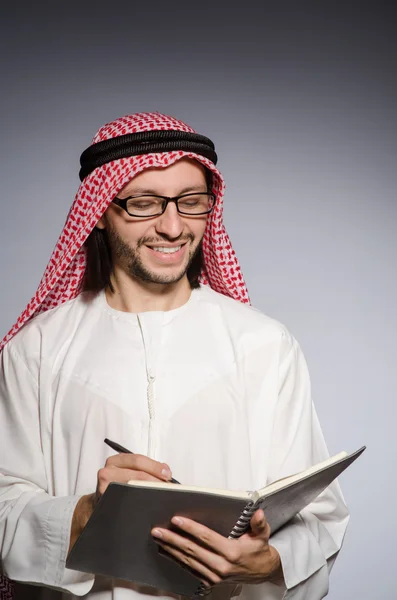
x=214, y=388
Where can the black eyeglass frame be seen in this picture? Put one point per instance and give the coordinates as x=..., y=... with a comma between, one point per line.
x=122, y=203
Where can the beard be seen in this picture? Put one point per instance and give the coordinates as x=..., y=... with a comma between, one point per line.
x=131, y=262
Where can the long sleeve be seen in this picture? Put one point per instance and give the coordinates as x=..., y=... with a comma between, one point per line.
x=309, y=544
x=34, y=526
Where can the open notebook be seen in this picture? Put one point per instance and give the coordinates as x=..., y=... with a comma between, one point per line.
x=117, y=541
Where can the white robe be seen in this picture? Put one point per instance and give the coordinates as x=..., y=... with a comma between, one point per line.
x=215, y=389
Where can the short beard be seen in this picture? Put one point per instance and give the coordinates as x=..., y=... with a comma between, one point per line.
x=132, y=264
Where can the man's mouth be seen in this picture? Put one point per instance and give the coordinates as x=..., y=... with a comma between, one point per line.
x=166, y=249
x=168, y=253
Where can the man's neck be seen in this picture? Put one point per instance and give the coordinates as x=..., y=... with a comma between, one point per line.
x=140, y=296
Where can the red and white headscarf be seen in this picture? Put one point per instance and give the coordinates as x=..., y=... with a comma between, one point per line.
x=63, y=275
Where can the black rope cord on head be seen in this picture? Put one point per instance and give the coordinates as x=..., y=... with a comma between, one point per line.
x=145, y=142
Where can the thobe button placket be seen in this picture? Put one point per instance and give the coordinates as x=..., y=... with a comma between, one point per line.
x=150, y=398
x=151, y=327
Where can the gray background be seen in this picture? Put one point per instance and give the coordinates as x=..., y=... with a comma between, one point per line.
x=300, y=101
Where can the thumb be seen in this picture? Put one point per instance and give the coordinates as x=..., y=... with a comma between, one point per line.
x=259, y=525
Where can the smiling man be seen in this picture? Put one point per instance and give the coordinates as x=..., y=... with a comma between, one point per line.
x=141, y=331
x=156, y=252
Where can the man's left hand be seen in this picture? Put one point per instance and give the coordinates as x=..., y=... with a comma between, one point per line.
x=216, y=559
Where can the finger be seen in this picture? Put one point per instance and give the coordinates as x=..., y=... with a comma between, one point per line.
x=169, y=556
x=192, y=563
x=259, y=525
x=115, y=474
x=204, y=536
x=139, y=462
x=209, y=558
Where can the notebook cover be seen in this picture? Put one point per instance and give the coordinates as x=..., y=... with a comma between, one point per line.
x=117, y=542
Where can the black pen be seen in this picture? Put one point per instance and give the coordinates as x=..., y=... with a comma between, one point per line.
x=118, y=448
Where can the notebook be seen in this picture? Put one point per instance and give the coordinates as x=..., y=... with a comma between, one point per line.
x=117, y=542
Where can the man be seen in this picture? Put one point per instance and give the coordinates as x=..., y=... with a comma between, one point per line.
x=141, y=331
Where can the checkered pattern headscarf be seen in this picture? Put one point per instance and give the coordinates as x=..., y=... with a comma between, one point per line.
x=63, y=275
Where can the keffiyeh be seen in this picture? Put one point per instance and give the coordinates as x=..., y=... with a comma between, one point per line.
x=64, y=273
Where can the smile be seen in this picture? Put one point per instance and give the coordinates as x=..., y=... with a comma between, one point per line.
x=167, y=250
x=168, y=254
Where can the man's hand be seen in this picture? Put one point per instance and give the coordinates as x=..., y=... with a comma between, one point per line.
x=120, y=468
x=123, y=467
x=249, y=559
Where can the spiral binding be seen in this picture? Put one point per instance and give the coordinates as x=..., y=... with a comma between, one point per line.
x=202, y=591
x=6, y=588
x=243, y=522
x=238, y=530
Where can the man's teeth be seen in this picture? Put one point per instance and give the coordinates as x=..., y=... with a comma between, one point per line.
x=167, y=250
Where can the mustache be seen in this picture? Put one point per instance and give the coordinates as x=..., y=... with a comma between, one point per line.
x=157, y=240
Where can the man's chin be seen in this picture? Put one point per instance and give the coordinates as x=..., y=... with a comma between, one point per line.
x=160, y=276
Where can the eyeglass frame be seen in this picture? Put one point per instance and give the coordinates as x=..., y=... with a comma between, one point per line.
x=122, y=203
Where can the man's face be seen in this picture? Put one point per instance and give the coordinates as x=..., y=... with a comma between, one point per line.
x=136, y=243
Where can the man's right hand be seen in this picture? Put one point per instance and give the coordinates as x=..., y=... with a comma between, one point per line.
x=121, y=468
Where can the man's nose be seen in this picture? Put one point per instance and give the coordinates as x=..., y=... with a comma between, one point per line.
x=170, y=222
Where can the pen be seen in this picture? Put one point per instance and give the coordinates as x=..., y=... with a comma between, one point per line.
x=118, y=448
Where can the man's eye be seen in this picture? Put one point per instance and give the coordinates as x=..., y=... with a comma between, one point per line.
x=141, y=205
x=146, y=206
x=189, y=203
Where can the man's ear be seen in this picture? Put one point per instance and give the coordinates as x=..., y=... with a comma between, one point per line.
x=101, y=223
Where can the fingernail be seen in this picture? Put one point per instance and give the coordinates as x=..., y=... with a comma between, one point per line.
x=166, y=472
x=157, y=533
x=177, y=521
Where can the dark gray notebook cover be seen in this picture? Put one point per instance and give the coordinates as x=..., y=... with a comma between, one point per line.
x=117, y=542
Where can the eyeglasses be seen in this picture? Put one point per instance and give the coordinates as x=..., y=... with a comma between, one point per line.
x=147, y=205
